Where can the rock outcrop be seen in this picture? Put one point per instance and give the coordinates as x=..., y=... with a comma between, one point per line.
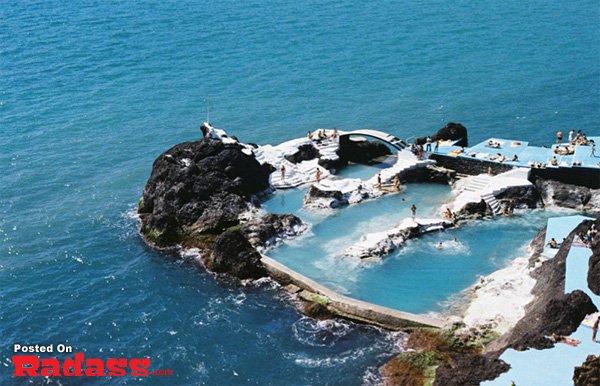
x=588, y=373
x=362, y=152
x=305, y=153
x=233, y=254
x=569, y=196
x=270, y=229
x=520, y=197
x=198, y=188
x=200, y=194
x=452, y=131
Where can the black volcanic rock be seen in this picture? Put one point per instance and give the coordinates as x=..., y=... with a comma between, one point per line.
x=266, y=230
x=233, y=254
x=568, y=196
x=469, y=370
x=588, y=373
x=362, y=152
x=196, y=188
x=452, y=131
x=305, y=152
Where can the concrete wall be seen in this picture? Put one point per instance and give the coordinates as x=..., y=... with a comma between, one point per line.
x=347, y=307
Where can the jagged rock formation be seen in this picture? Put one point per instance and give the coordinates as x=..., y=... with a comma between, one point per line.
x=196, y=196
x=362, y=152
x=569, y=196
x=233, y=254
x=588, y=373
x=305, y=153
x=198, y=188
x=269, y=230
x=329, y=198
x=452, y=131
x=520, y=197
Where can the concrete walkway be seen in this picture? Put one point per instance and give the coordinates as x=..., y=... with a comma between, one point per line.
x=345, y=306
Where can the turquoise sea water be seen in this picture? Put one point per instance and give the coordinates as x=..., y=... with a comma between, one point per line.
x=91, y=92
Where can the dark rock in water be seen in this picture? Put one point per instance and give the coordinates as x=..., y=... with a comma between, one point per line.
x=452, y=131
x=196, y=188
x=520, y=197
x=333, y=165
x=233, y=254
x=335, y=197
x=266, y=230
x=317, y=311
x=362, y=152
x=467, y=370
x=305, y=153
x=474, y=210
x=431, y=173
x=588, y=374
x=569, y=196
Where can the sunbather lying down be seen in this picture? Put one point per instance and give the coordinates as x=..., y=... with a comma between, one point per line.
x=565, y=339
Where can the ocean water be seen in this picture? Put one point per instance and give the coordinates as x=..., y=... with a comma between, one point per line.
x=92, y=91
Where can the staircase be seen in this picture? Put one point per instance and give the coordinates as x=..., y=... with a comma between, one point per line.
x=492, y=203
x=477, y=184
x=480, y=185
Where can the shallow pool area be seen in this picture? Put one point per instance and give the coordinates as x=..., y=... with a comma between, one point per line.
x=422, y=275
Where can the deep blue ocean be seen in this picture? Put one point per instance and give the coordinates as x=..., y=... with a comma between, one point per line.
x=92, y=92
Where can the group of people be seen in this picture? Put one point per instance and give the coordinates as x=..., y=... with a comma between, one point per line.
x=501, y=158
x=588, y=237
x=578, y=138
x=419, y=149
x=321, y=135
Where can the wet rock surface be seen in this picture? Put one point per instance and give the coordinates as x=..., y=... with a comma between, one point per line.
x=332, y=198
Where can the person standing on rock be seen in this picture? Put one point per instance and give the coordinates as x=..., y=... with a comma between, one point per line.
x=413, y=210
x=397, y=183
x=282, y=172
x=437, y=146
x=571, y=136
x=428, y=144
x=318, y=176
x=558, y=136
x=595, y=329
x=379, y=181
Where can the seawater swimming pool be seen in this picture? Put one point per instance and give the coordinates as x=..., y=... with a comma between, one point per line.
x=418, y=277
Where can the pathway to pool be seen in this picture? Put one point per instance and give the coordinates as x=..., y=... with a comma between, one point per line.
x=555, y=366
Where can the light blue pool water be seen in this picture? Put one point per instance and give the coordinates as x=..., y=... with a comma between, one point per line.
x=418, y=277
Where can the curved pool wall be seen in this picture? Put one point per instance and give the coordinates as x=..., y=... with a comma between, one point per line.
x=418, y=277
